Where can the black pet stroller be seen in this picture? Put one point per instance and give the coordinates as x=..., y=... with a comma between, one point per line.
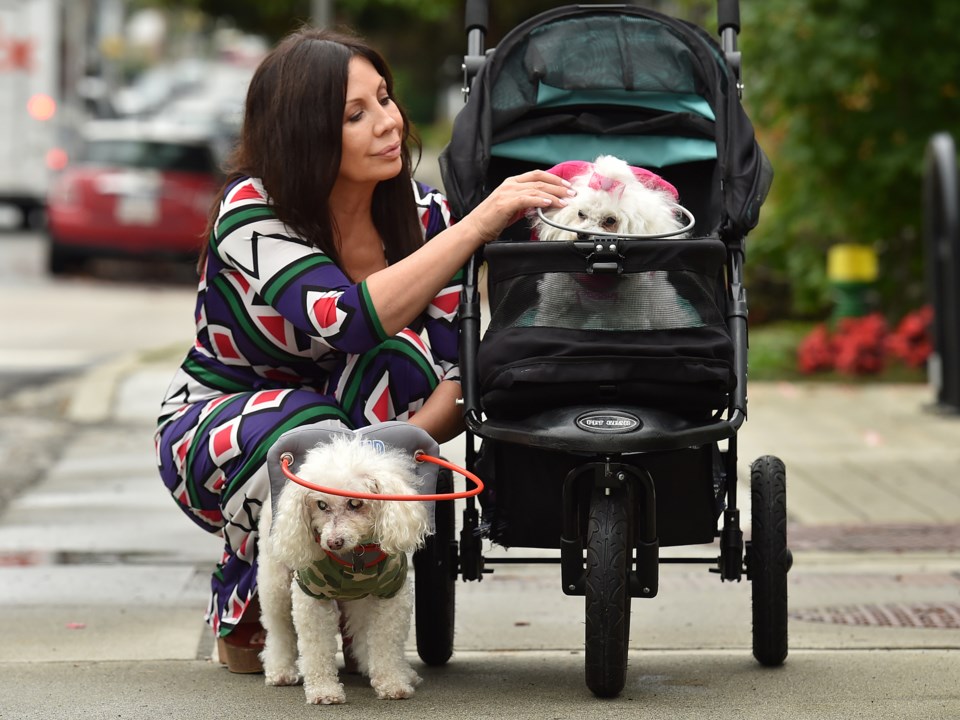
x=607, y=438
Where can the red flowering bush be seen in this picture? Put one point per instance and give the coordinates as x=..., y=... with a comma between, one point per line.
x=863, y=345
x=816, y=351
x=860, y=344
x=912, y=341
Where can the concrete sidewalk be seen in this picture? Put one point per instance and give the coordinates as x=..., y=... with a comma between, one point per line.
x=103, y=583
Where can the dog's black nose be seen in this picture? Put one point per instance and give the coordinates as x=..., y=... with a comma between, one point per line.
x=335, y=543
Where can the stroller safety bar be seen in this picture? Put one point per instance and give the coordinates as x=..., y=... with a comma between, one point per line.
x=691, y=221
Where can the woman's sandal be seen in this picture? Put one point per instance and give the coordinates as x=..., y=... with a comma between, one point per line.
x=240, y=650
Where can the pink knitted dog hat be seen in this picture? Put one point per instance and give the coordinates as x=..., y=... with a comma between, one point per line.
x=577, y=168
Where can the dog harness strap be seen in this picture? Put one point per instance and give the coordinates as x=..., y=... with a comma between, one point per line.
x=330, y=580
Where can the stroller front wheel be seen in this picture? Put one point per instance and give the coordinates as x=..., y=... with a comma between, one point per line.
x=609, y=555
x=769, y=559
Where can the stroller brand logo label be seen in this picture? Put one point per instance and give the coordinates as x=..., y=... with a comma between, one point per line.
x=606, y=421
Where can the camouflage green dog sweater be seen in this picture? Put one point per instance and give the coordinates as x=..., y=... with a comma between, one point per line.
x=335, y=579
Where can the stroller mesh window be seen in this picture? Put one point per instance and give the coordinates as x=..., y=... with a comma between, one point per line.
x=562, y=331
x=653, y=300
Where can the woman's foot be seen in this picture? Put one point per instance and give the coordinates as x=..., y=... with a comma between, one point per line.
x=240, y=650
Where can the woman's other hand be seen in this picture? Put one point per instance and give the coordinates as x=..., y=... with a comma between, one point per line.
x=515, y=195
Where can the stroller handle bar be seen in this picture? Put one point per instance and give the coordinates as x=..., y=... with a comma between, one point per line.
x=728, y=15
x=688, y=216
x=728, y=25
x=476, y=17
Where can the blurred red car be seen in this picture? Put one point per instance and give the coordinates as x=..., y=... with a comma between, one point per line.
x=136, y=189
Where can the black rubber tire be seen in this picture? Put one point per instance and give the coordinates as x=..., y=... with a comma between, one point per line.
x=769, y=559
x=609, y=555
x=435, y=573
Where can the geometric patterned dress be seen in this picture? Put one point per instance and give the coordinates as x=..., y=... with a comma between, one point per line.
x=284, y=339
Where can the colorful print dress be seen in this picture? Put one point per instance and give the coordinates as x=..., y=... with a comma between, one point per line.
x=284, y=339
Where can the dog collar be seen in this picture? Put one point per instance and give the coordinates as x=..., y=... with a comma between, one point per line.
x=364, y=556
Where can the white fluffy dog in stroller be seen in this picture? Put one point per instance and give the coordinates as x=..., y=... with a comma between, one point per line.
x=322, y=555
x=613, y=198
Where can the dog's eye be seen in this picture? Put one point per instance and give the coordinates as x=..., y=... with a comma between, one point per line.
x=581, y=216
x=354, y=504
x=609, y=221
x=321, y=504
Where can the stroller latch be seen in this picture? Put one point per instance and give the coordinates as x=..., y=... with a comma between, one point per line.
x=602, y=257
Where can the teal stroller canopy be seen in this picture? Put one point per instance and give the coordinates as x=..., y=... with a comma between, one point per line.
x=580, y=81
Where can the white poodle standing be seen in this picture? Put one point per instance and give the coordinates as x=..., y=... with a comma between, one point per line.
x=323, y=554
x=612, y=198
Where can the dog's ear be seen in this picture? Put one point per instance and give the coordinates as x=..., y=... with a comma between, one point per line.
x=400, y=526
x=291, y=535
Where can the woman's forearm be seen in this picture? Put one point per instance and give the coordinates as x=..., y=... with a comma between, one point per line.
x=440, y=415
x=401, y=291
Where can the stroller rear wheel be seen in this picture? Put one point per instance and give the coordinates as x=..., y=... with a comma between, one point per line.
x=435, y=571
x=609, y=554
x=769, y=559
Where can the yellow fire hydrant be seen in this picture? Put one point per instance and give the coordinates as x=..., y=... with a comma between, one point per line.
x=852, y=272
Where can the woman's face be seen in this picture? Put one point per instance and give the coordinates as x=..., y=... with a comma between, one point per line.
x=372, y=127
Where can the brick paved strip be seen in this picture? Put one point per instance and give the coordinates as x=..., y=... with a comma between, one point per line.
x=892, y=537
x=937, y=616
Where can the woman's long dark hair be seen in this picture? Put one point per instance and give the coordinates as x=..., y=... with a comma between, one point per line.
x=291, y=139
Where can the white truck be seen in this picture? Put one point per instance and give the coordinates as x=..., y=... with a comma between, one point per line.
x=30, y=103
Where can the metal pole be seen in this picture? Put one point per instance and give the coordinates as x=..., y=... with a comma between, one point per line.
x=942, y=236
x=321, y=13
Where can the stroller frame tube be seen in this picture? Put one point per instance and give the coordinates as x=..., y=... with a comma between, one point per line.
x=475, y=20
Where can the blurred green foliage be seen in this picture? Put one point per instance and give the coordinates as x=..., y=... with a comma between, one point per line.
x=845, y=95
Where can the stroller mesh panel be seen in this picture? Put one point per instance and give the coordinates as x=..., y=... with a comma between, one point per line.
x=560, y=335
x=653, y=300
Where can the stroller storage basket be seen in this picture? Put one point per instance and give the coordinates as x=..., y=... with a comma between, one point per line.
x=524, y=504
x=606, y=321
